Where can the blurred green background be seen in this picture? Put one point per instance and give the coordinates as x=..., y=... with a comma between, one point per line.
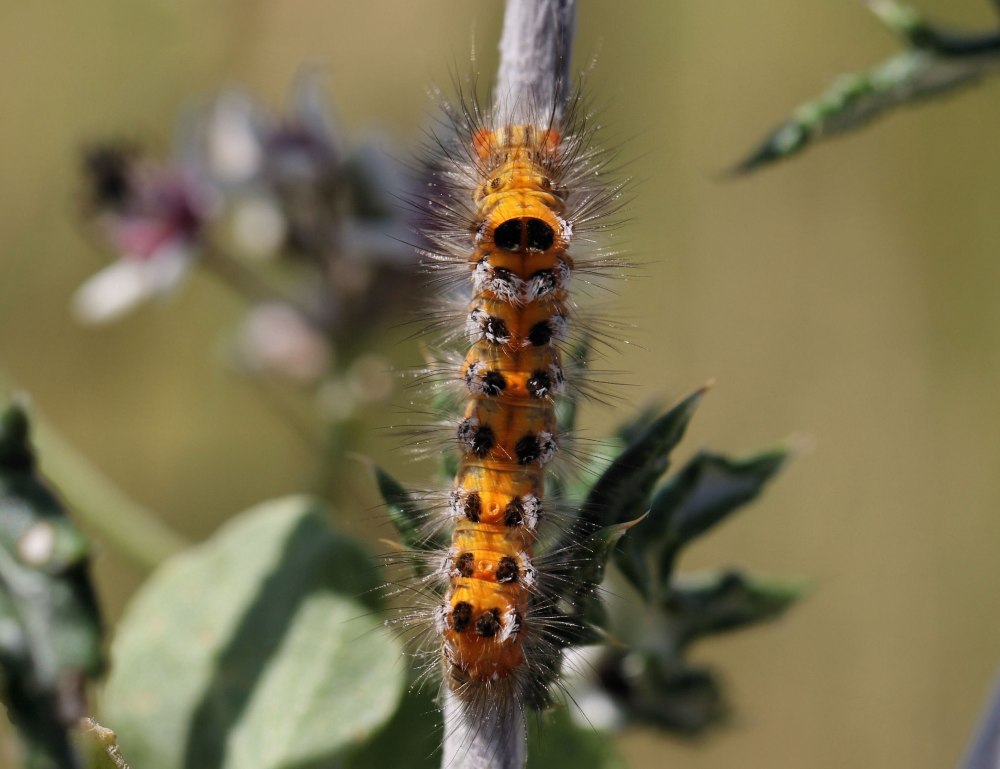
x=849, y=295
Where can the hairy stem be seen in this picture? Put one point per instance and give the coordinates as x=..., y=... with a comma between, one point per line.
x=494, y=743
x=535, y=50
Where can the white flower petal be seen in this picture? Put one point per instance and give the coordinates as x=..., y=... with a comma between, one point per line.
x=120, y=287
x=110, y=293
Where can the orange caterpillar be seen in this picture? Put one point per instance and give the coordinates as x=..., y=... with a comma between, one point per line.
x=518, y=312
x=504, y=200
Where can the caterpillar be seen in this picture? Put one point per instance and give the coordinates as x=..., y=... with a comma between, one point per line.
x=520, y=269
x=513, y=196
x=507, y=205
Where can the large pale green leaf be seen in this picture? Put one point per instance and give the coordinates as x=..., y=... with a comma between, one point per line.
x=261, y=648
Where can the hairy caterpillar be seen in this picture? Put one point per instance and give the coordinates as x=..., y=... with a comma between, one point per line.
x=513, y=197
x=508, y=204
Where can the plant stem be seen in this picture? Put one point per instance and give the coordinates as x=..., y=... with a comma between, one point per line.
x=497, y=742
x=132, y=529
x=535, y=50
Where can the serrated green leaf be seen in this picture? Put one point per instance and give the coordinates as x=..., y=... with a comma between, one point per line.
x=686, y=700
x=595, y=551
x=720, y=603
x=408, y=518
x=631, y=430
x=622, y=492
x=706, y=490
x=255, y=649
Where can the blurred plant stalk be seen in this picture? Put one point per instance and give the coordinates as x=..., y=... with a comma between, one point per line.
x=132, y=529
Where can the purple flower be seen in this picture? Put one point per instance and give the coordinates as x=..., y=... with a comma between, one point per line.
x=152, y=217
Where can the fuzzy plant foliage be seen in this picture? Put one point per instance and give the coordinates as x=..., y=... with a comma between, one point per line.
x=50, y=629
x=934, y=62
x=638, y=519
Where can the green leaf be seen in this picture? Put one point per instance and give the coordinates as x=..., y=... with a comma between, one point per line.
x=936, y=62
x=50, y=642
x=631, y=430
x=406, y=515
x=682, y=699
x=584, y=616
x=594, y=552
x=15, y=448
x=720, y=603
x=622, y=492
x=411, y=739
x=703, y=493
x=257, y=649
x=555, y=742
x=710, y=487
